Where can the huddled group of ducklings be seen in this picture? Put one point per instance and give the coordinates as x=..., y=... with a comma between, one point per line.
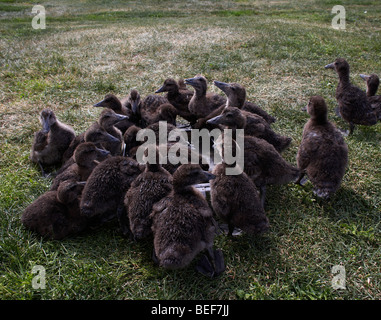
x=100, y=178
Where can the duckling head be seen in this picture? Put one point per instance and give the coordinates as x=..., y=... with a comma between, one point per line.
x=199, y=83
x=340, y=65
x=169, y=85
x=235, y=93
x=231, y=117
x=134, y=100
x=47, y=119
x=190, y=174
x=372, y=82
x=69, y=190
x=109, y=117
x=110, y=101
x=317, y=109
x=87, y=153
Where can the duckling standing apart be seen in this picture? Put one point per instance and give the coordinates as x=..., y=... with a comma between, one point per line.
x=55, y=214
x=183, y=226
x=86, y=158
x=235, y=199
x=179, y=96
x=148, y=188
x=353, y=104
x=112, y=102
x=106, y=186
x=58, y=139
x=372, y=82
x=203, y=102
x=323, y=153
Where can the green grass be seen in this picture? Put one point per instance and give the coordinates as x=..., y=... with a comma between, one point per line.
x=277, y=50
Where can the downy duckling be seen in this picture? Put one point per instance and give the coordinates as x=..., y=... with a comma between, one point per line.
x=323, y=153
x=153, y=184
x=183, y=225
x=106, y=186
x=150, y=108
x=58, y=139
x=86, y=157
x=253, y=124
x=353, y=104
x=179, y=96
x=372, y=82
x=235, y=199
x=112, y=102
x=55, y=214
x=203, y=102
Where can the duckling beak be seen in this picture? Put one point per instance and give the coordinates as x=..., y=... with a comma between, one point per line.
x=162, y=89
x=330, y=66
x=135, y=107
x=45, y=125
x=221, y=85
x=111, y=137
x=103, y=152
x=364, y=76
x=99, y=104
x=304, y=108
x=209, y=176
x=190, y=81
x=214, y=120
x=82, y=183
x=121, y=117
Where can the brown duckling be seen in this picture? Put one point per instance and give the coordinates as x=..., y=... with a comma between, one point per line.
x=323, y=153
x=106, y=123
x=183, y=225
x=235, y=199
x=106, y=186
x=86, y=157
x=58, y=138
x=112, y=102
x=372, y=82
x=153, y=184
x=179, y=96
x=55, y=214
x=253, y=124
x=353, y=104
x=203, y=102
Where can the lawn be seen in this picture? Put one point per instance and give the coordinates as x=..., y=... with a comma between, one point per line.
x=278, y=51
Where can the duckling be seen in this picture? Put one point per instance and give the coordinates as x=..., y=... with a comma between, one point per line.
x=55, y=214
x=106, y=123
x=253, y=124
x=58, y=137
x=183, y=225
x=203, y=102
x=372, y=82
x=353, y=104
x=112, y=102
x=235, y=199
x=86, y=158
x=106, y=186
x=323, y=153
x=151, y=113
x=153, y=184
x=179, y=96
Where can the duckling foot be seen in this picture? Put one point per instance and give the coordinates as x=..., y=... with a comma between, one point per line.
x=211, y=264
x=337, y=112
x=230, y=230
